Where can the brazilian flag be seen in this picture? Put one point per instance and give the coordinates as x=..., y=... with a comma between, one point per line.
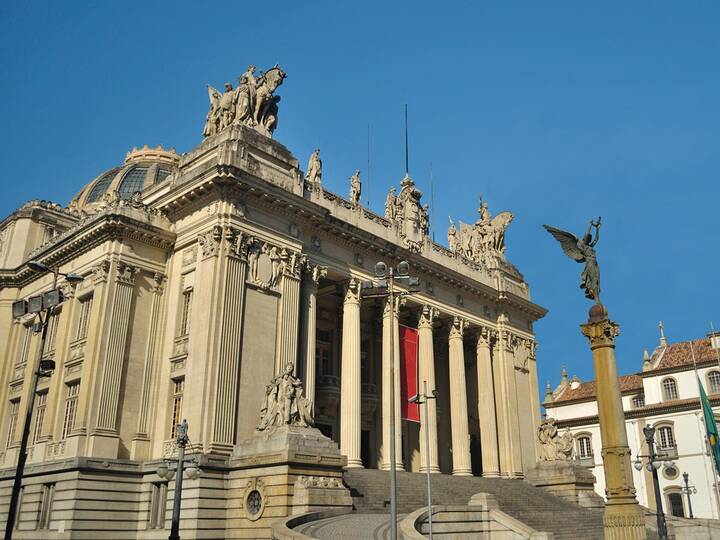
x=710, y=425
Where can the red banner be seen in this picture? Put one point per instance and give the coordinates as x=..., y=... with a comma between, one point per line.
x=408, y=373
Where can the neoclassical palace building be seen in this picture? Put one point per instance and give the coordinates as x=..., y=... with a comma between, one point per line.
x=205, y=274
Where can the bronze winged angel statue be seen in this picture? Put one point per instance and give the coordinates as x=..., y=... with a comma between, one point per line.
x=583, y=250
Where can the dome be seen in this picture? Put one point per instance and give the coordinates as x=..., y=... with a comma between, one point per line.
x=143, y=167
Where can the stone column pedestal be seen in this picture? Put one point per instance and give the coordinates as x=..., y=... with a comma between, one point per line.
x=568, y=480
x=623, y=518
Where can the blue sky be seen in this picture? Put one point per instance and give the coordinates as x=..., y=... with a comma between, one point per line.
x=556, y=111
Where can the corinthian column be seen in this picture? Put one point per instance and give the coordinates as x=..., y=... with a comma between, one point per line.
x=458, y=401
x=428, y=424
x=350, y=411
x=390, y=324
x=486, y=407
x=311, y=279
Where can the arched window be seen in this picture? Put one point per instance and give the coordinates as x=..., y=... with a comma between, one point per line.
x=584, y=446
x=670, y=390
x=133, y=181
x=675, y=504
x=665, y=438
x=714, y=382
x=101, y=186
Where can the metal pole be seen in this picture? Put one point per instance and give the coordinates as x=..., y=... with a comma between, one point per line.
x=393, y=472
x=22, y=455
x=177, y=501
x=427, y=457
x=687, y=492
x=662, y=528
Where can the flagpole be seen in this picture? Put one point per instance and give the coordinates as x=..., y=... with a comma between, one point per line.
x=713, y=465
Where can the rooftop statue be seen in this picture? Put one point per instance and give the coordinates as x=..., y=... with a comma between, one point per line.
x=355, y=187
x=554, y=447
x=252, y=103
x=583, y=251
x=313, y=176
x=484, y=239
x=284, y=403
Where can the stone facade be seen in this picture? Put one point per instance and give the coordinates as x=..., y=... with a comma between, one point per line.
x=205, y=273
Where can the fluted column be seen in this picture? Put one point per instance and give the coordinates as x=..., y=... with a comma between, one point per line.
x=390, y=324
x=350, y=410
x=288, y=311
x=311, y=279
x=486, y=407
x=427, y=375
x=534, y=390
x=458, y=400
x=506, y=399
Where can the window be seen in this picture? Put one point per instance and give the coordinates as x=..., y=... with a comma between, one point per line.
x=46, y=501
x=158, y=502
x=101, y=186
x=177, y=398
x=12, y=421
x=670, y=391
x=638, y=401
x=185, y=312
x=161, y=175
x=84, y=317
x=24, y=345
x=665, y=438
x=584, y=445
x=73, y=391
x=51, y=333
x=39, y=416
x=714, y=382
x=675, y=503
x=133, y=181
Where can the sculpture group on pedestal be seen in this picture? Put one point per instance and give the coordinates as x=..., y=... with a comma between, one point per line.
x=252, y=103
x=554, y=447
x=486, y=238
x=284, y=403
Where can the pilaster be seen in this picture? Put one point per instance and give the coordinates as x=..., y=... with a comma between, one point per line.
x=350, y=407
x=426, y=353
x=486, y=406
x=310, y=281
x=458, y=400
x=286, y=347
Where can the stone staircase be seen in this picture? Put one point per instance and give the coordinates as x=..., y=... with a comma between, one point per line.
x=532, y=506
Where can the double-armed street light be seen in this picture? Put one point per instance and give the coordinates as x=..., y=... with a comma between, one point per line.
x=167, y=473
x=41, y=306
x=654, y=462
x=422, y=399
x=383, y=286
x=688, y=490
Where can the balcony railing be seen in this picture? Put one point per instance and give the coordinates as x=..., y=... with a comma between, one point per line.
x=669, y=452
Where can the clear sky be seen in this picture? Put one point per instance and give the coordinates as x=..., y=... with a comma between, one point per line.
x=556, y=111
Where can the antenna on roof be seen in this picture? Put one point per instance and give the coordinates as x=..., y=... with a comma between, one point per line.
x=407, y=166
x=432, y=203
x=368, y=169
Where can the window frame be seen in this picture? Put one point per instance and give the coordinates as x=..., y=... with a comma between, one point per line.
x=713, y=388
x=176, y=404
x=84, y=316
x=72, y=396
x=665, y=389
x=13, y=414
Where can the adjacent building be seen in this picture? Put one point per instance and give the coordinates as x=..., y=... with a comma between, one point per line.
x=205, y=274
x=664, y=394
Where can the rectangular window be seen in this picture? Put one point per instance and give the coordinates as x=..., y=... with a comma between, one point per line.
x=12, y=421
x=46, y=501
x=185, y=312
x=73, y=391
x=178, y=389
x=158, y=502
x=584, y=447
x=41, y=401
x=24, y=349
x=51, y=333
x=84, y=317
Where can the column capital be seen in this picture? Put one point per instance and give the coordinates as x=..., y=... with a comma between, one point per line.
x=209, y=241
x=100, y=272
x=399, y=302
x=457, y=327
x=313, y=273
x=158, y=283
x=601, y=334
x=484, y=336
x=126, y=273
x=352, y=292
x=428, y=316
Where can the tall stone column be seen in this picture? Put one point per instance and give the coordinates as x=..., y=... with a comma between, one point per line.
x=141, y=440
x=623, y=518
x=458, y=400
x=390, y=324
x=506, y=400
x=103, y=439
x=428, y=424
x=311, y=279
x=534, y=390
x=350, y=409
x=288, y=311
x=486, y=407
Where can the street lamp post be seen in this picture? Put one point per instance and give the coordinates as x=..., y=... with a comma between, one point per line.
x=41, y=306
x=423, y=399
x=163, y=471
x=687, y=489
x=384, y=287
x=654, y=462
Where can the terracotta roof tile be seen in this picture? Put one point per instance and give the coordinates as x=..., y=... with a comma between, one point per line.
x=586, y=390
x=679, y=355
